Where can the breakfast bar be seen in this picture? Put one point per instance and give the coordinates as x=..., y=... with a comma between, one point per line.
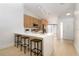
x=47, y=38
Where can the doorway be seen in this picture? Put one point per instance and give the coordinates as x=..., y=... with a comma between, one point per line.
x=65, y=28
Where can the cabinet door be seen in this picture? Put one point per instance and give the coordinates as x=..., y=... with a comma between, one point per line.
x=31, y=22
x=40, y=24
x=34, y=21
x=27, y=21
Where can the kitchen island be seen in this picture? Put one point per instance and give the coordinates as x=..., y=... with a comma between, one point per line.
x=47, y=41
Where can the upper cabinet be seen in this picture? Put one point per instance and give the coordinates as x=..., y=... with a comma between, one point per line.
x=30, y=22
x=27, y=21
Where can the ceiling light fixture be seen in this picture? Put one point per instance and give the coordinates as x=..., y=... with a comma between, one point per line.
x=39, y=6
x=68, y=14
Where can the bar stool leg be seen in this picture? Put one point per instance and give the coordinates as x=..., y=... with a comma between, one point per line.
x=31, y=48
x=21, y=48
x=21, y=45
x=37, y=48
x=25, y=46
x=15, y=41
x=28, y=44
x=24, y=49
x=41, y=49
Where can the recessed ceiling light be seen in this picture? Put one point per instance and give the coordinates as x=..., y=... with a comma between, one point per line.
x=39, y=7
x=68, y=14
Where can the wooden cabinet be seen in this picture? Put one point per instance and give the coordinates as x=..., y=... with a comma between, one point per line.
x=44, y=22
x=35, y=21
x=27, y=21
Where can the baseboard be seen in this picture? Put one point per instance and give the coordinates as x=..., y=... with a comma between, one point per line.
x=66, y=40
x=77, y=49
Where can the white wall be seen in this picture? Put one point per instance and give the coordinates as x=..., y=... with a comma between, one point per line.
x=76, y=43
x=11, y=20
x=68, y=27
x=52, y=20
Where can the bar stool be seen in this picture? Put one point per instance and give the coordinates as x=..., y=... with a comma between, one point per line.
x=25, y=43
x=17, y=40
x=36, y=47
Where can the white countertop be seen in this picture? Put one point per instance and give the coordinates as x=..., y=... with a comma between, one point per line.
x=34, y=34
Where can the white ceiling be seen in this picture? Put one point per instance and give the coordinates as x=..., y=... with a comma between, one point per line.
x=44, y=10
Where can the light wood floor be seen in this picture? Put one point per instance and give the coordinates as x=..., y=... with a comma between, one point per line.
x=61, y=48
x=65, y=48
